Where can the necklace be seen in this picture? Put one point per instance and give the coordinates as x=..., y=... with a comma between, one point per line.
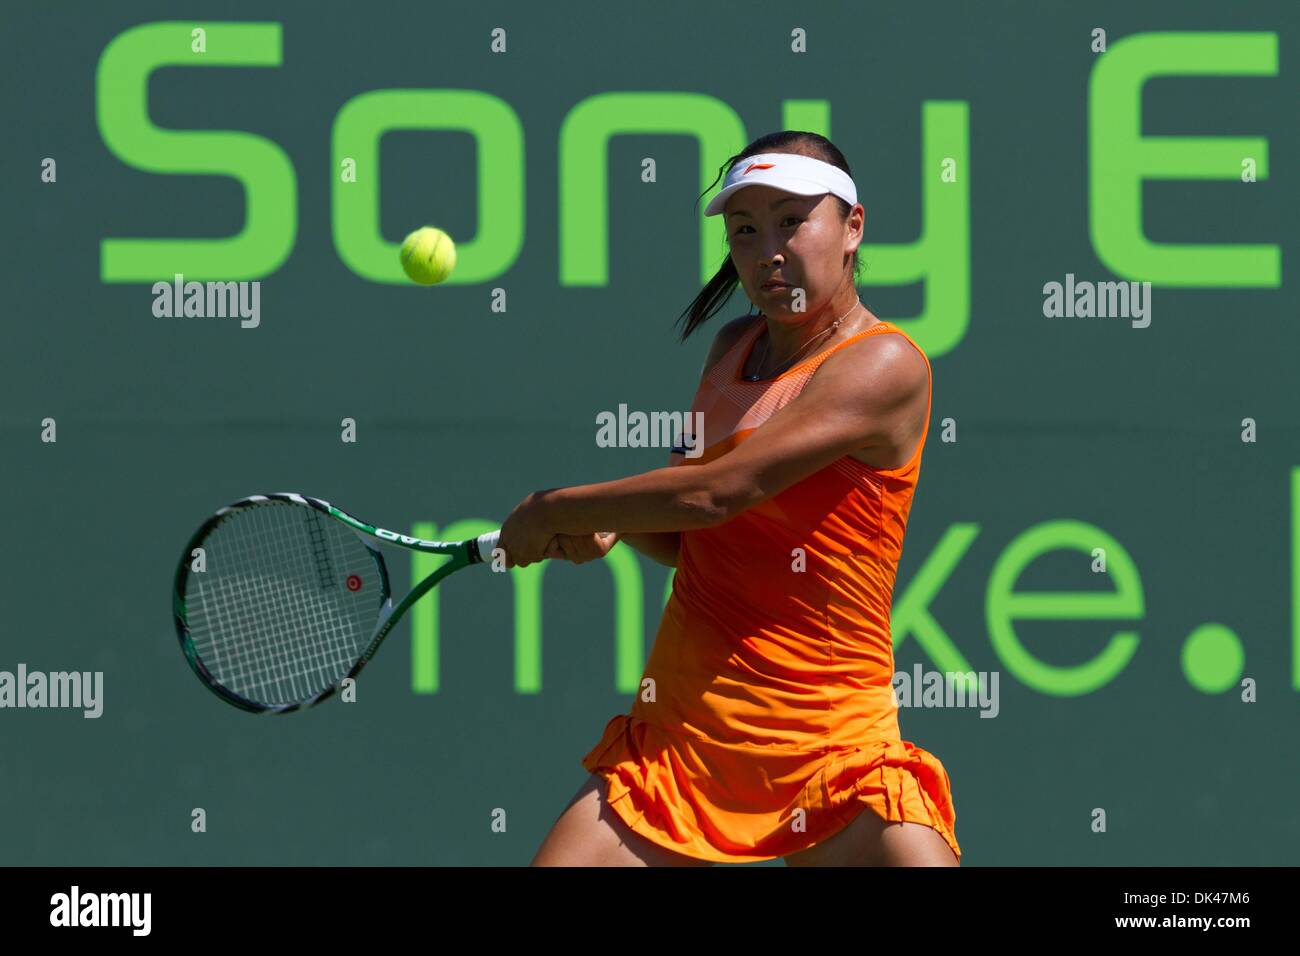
x=827, y=331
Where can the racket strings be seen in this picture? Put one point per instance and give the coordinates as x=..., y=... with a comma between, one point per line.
x=287, y=605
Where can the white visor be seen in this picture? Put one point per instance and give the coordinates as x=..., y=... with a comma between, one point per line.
x=802, y=175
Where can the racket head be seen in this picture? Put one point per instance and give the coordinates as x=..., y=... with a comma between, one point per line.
x=288, y=604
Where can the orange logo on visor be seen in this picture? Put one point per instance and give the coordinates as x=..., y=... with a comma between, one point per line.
x=753, y=166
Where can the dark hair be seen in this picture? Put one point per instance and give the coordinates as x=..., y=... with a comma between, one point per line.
x=720, y=288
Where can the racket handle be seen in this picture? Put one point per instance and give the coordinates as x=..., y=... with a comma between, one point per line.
x=487, y=544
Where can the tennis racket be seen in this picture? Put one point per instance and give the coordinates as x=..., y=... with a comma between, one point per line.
x=293, y=598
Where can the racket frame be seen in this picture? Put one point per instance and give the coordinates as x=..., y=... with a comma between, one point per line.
x=462, y=554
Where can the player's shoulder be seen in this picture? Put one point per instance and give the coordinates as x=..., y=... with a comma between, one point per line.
x=889, y=362
x=727, y=336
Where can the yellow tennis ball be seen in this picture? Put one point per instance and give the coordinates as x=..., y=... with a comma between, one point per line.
x=428, y=255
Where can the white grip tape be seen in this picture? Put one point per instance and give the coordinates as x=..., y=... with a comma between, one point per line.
x=487, y=543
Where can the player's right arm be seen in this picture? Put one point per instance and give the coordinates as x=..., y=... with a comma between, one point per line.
x=664, y=546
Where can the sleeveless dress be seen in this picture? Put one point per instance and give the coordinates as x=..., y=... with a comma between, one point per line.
x=773, y=722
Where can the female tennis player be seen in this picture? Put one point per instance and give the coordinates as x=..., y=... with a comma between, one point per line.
x=765, y=726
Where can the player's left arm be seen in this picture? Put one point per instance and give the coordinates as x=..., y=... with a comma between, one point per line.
x=865, y=396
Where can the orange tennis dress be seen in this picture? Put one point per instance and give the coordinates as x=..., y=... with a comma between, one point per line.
x=773, y=723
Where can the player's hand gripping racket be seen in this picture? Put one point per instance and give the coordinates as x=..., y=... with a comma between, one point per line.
x=293, y=598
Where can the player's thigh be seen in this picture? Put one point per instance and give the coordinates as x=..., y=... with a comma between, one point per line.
x=870, y=840
x=590, y=833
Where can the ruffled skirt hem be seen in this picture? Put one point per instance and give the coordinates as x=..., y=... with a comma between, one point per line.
x=744, y=804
